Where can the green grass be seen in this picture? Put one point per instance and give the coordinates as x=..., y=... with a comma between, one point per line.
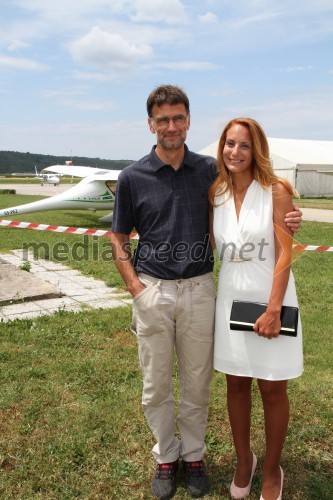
x=322, y=203
x=71, y=424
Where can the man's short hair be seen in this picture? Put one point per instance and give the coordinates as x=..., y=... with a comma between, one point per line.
x=167, y=94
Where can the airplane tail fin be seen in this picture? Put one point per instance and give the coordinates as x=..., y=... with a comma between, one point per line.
x=36, y=170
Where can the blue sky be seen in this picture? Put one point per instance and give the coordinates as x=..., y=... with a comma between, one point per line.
x=75, y=74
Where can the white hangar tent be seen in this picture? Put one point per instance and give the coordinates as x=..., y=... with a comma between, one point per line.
x=308, y=165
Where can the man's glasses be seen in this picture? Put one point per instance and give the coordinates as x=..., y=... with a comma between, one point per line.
x=163, y=121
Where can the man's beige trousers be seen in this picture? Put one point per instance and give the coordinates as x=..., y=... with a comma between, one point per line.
x=169, y=316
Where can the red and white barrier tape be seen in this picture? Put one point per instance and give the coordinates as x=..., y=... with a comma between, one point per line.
x=101, y=232
x=58, y=229
x=316, y=248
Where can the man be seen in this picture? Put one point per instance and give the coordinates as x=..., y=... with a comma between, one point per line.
x=165, y=197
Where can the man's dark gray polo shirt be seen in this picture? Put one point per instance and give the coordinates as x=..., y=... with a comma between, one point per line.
x=169, y=209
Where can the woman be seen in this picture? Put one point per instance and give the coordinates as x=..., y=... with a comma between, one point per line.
x=249, y=206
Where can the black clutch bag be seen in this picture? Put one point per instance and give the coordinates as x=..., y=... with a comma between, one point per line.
x=244, y=315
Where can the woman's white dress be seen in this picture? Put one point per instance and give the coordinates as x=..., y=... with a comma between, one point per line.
x=246, y=248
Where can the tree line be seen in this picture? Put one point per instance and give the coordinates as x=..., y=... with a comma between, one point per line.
x=13, y=162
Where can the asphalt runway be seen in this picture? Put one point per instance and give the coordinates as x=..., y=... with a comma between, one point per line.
x=311, y=214
x=37, y=189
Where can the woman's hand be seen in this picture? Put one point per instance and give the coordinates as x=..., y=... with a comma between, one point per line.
x=268, y=325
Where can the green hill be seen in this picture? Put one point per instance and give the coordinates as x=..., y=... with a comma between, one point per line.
x=14, y=162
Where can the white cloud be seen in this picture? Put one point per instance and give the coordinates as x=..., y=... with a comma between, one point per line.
x=108, y=50
x=260, y=18
x=118, y=6
x=17, y=45
x=92, y=76
x=56, y=94
x=76, y=99
x=56, y=9
x=170, y=11
x=151, y=11
x=21, y=64
x=209, y=17
x=189, y=65
x=93, y=105
x=292, y=69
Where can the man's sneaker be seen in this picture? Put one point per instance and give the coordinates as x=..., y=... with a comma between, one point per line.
x=196, y=479
x=164, y=483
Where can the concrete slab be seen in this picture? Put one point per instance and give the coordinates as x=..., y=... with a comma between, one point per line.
x=77, y=292
x=17, y=285
x=21, y=307
x=93, y=300
x=55, y=304
x=69, y=273
x=106, y=304
x=26, y=315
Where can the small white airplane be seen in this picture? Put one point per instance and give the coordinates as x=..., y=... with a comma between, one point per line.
x=93, y=192
x=48, y=178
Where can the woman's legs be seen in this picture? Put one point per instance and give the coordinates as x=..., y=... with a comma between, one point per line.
x=276, y=410
x=239, y=408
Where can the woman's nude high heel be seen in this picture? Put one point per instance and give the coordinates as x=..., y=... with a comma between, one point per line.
x=237, y=492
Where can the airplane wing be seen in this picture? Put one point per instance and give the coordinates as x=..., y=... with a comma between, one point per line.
x=90, y=193
x=80, y=171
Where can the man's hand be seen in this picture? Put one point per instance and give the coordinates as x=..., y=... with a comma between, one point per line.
x=294, y=219
x=121, y=252
x=135, y=288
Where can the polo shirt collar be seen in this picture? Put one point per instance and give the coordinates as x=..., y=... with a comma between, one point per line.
x=157, y=163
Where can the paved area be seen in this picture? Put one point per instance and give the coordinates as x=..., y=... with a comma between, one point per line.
x=315, y=214
x=37, y=189
x=71, y=291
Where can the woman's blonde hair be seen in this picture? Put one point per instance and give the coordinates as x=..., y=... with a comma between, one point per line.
x=262, y=168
